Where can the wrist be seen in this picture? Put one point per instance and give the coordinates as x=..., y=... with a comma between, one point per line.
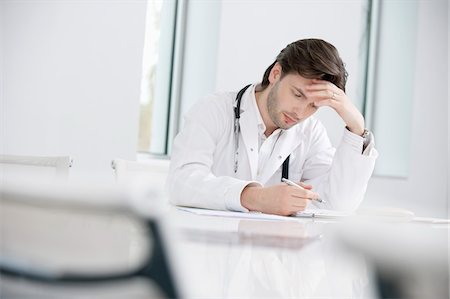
x=249, y=197
x=357, y=130
x=356, y=125
x=353, y=119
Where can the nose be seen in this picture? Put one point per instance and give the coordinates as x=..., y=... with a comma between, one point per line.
x=302, y=111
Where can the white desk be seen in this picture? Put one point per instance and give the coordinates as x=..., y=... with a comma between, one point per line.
x=246, y=258
x=307, y=258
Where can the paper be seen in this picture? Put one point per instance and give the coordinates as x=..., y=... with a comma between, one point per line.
x=323, y=213
x=431, y=220
x=319, y=213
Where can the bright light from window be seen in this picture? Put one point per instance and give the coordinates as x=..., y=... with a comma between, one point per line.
x=156, y=78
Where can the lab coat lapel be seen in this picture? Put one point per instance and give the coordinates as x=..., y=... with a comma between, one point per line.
x=249, y=131
x=286, y=144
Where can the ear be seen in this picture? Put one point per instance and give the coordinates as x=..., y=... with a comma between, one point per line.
x=275, y=73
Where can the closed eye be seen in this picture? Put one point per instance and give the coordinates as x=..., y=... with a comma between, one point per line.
x=298, y=95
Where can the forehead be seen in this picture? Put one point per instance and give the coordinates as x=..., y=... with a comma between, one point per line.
x=297, y=80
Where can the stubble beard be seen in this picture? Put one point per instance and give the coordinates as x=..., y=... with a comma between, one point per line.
x=272, y=108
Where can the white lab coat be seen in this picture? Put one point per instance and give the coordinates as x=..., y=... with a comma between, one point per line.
x=202, y=162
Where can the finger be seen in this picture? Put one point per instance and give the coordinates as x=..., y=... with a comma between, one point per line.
x=306, y=186
x=317, y=86
x=304, y=194
x=325, y=89
x=320, y=81
x=324, y=94
x=326, y=102
x=324, y=85
x=298, y=209
x=319, y=94
x=293, y=208
x=299, y=203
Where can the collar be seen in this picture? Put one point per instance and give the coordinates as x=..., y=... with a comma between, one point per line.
x=254, y=106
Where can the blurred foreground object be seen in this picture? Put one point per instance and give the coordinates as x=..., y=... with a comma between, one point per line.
x=409, y=260
x=152, y=172
x=72, y=240
x=14, y=167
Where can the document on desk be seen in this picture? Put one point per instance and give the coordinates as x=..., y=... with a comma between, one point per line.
x=309, y=213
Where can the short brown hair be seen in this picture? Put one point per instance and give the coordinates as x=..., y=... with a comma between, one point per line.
x=312, y=59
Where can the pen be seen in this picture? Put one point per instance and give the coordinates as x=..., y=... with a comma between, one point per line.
x=291, y=183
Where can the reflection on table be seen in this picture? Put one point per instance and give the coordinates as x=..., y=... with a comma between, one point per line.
x=229, y=258
x=77, y=241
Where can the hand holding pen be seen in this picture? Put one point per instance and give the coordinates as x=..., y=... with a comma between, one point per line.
x=291, y=183
x=281, y=199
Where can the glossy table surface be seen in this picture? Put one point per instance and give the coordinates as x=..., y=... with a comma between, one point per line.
x=246, y=258
x=223, y=257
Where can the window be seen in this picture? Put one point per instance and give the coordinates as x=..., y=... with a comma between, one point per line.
x=391, y=84
x=178, y=45
x=157, y=80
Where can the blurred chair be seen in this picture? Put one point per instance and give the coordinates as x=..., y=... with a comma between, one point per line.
x=153, y=171
x=73, y=241
x=407, y=260
x=13, y=166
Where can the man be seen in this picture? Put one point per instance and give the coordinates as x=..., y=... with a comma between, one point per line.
x=235, y=148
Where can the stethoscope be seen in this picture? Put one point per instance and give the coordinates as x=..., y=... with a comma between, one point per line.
x=237, y=129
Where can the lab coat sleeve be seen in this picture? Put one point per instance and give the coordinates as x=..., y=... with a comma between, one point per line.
x=191, y=181
x=340, y=176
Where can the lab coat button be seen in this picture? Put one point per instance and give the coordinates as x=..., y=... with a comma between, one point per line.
x=279, y=157
x=251, y=149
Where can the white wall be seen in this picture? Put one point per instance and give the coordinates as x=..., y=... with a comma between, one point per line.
x=71, y=80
